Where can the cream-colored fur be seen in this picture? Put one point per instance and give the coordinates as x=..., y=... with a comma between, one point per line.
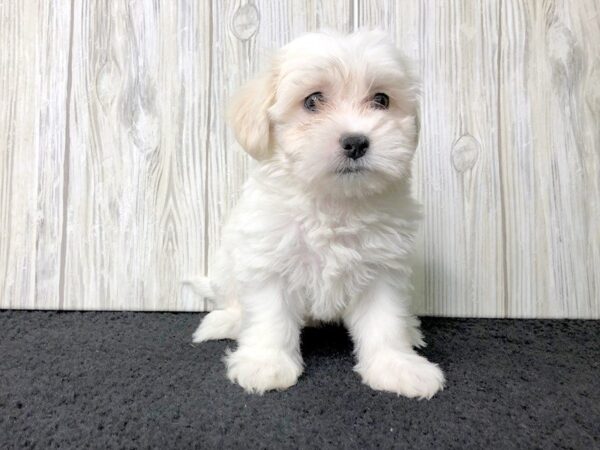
x=317, y=235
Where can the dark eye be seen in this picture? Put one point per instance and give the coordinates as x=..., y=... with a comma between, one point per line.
x=313, y=101
x=380, y=101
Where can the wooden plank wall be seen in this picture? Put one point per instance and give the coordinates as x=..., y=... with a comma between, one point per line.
x=117, y=168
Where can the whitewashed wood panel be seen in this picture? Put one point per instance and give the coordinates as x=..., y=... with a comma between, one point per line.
x=459, y=173
x=117, y=169
x=136, y=172
x=34, y=52
x=550, y=156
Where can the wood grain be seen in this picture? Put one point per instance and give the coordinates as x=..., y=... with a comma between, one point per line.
x=117, y=169
x=34, y=52
x=463, y=253
x=550, y=157
x=137, y=165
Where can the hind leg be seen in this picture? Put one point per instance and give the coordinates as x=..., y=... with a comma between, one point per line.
x=219, y=324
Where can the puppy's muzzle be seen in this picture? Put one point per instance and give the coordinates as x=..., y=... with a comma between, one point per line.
x=355, y=145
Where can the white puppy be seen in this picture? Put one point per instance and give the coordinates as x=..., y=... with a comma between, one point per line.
x=325, y=224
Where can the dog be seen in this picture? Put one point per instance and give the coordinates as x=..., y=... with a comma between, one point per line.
x=326, y=222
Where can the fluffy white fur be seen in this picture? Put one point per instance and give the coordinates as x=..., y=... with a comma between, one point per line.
x=317, y=236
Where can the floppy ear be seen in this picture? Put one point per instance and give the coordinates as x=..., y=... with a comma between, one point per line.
x=249, y=117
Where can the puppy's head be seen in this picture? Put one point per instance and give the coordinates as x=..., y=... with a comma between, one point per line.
x=340, y=113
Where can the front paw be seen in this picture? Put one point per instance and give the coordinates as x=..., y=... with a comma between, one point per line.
x=403, y=373
x=259, y=370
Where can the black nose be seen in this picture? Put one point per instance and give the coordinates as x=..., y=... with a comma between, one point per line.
x=355, y=145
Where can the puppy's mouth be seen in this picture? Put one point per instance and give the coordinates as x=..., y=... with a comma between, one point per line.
x=350, y=170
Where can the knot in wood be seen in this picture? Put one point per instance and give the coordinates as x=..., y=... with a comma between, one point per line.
x=245, y=22
x=465, y=152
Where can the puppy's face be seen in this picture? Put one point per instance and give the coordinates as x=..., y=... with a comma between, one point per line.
x=338, y=112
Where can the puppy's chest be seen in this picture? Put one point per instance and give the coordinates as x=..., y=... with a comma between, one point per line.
x=330, y=263
x=329, y=254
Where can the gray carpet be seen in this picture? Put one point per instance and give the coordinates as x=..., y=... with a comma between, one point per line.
x=133, y=380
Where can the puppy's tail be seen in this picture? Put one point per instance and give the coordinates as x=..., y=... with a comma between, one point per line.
x=201, y=286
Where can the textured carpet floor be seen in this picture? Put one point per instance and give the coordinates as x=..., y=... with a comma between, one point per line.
x=133, y=380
